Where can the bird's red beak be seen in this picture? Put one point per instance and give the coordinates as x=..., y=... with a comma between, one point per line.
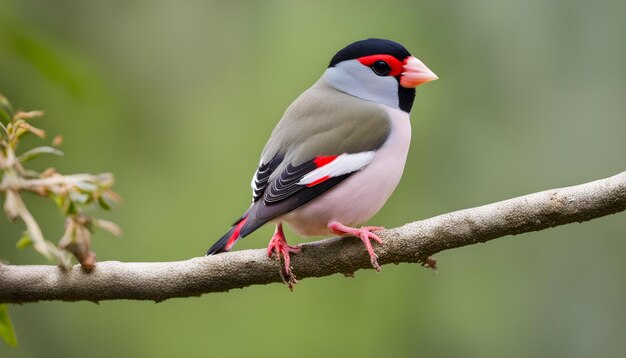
x=415, y=73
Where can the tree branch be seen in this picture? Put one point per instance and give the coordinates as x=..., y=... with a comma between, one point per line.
x=414, y=242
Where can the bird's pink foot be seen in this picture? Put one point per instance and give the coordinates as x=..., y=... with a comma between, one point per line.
x=365, y=234
x=278, y=244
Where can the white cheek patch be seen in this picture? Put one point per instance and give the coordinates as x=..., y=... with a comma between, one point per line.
x=343, y=164
x=358, y=80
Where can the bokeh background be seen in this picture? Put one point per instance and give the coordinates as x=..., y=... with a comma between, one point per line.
x=177, y=99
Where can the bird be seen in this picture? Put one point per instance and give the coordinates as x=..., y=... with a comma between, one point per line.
x=337, y=153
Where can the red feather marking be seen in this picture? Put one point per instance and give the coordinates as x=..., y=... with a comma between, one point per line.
x=233, y=238
x=320, y=180
x=321, y=161
x=395, y=64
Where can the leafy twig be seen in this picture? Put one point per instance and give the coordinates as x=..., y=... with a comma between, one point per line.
x=73, y=194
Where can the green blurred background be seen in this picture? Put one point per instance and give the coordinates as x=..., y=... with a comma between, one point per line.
x=177, y=99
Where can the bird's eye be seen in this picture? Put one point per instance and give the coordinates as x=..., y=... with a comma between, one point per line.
x=381, y=68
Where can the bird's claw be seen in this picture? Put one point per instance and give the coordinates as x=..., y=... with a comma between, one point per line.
x=278, y=244
x=365, y=234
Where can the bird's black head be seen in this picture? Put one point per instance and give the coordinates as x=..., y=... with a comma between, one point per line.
x=391, y=76
x=370, y=47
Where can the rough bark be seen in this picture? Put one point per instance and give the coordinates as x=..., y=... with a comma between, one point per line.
x=412, y=243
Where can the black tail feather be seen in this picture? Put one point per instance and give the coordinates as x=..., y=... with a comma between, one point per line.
x=220, y=245
x=229, y=238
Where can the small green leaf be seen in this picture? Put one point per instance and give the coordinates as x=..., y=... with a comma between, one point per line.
x=6, y=111
x=59, y=200
x=35, y=152
x=70, y=208
x=24, y=242
x=103, y=203
x=6, y=327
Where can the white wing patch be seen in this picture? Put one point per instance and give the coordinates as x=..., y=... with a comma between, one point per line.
x=343, y=164
x=252, y=184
